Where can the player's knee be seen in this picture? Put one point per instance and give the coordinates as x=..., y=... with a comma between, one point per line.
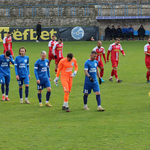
x=115, y=68
x=48, y=89
x=86, y=94
x=97, y=93
x=39, y=91
x=27, y=85
x=20, y=87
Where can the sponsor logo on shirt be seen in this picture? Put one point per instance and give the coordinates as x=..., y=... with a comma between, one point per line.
x=22, y=65
x=68, y=69
x=92, y=69
x=4, y=64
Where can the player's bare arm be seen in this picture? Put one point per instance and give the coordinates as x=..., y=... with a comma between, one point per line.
x=147, y=53
x=86, y=73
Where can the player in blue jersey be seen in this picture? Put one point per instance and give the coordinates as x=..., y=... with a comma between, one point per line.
x=22, y=73
x=91, y=82
x=5, y=60
x=42, y=74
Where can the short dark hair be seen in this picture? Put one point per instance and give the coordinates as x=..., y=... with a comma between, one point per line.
x=8, y=53
x=70, y=55
x=39, y=22
x=93, y=52
x=60, y=39
x=8, y=32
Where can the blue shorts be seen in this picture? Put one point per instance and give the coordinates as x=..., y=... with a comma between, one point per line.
x=4, y=79
x=89, y=86
x=25, y=80
x=43, y=84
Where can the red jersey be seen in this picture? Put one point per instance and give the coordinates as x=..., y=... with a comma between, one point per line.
x=58, y=50
x=100, y=51
x=114, y=49
x=51, y=44
x=147, y=49
x=7, y=43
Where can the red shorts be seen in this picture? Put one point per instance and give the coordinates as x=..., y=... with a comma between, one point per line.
x=57, y=60
x=114, y=63
x=11, y=52
x=66, y=83
x=147, y=64
x=100, y=64
x=50, y=56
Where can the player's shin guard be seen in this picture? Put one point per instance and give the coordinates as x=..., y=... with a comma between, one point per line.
x=148, y=74
x=26, y=92
x=98, y=98
x=116, y=75
x=48, y=94
x=102, y=72
x=7, y=89
x=85, y=99
x=2, y=89
x=112, y=73
x=40, y=97
x=20, y=93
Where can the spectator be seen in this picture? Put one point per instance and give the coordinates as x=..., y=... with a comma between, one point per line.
x=141, y=31
x=107, y=32
x=119, y=32
x=92, y=39
x=131, y=33
x=38, y=31
x=124, y=32
x=113, y=33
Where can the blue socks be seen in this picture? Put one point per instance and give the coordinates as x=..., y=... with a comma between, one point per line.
x=98, y=98
x=85, y=99
x=2, y=88
x=48, y=96
x=7, y=89
x=26, y=91
x=40, y=97
x=20, y=93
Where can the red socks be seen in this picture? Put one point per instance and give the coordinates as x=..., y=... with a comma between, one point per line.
x=115, y=73
x=102, y=72
x=148, y=74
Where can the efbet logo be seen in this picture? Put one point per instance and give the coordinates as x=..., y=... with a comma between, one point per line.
x=26, y=34
x=3, y=32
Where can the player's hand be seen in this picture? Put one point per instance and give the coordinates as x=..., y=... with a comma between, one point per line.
x=29, y=77
x=107, y=60
x=56, y=81
x=50, y=79
x=124, y=55
x=73, y=74
x=55, y=56
x=91, y=79
x=17, y=77
x=100, y=81
x=7, y=57
x=38, y=81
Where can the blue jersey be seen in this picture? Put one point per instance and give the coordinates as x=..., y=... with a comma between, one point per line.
x=22, y=66
x=41, y=69
x=5, y=65
x=91, y=66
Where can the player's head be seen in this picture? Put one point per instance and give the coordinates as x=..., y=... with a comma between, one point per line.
x=99, y=43
x=60, y=40
x=125, y=26
x=93, y=55
x=148, y=41
x=112, y=26
x=40, y=23
x=43, y=55
x=22, y=51
x=130, y=25
x=69, y=56
x=8, y=34
x=117, y=41
x=7, y=53
x=53, y=37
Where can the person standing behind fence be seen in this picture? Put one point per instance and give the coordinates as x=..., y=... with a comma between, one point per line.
x=38, y=31
x=107, y=32
x=113, y=33
x=131, y=33
x=124, y=32
x=141, y=31
x=119, y=32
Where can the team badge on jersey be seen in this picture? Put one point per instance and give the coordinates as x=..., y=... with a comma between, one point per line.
x=95, y=64
x=72, y=64
x=25, y=60
x=7, y=60
x=46, y=64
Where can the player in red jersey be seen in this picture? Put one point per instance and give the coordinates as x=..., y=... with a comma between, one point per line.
x=114, y=49
x=100, y=51
x=58, y=52
x=50, y=45
x=147, y=59
x=7, y=43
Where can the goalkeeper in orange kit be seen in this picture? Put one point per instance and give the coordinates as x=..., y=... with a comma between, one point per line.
x=65, y=66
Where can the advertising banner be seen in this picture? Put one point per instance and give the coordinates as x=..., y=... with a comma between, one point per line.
x=66, y=33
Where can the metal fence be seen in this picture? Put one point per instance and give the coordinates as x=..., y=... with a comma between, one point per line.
x=60, y=10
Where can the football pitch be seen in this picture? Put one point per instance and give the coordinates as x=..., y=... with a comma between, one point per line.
x=123, y=126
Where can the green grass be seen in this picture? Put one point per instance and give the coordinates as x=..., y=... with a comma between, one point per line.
x=123, y=126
